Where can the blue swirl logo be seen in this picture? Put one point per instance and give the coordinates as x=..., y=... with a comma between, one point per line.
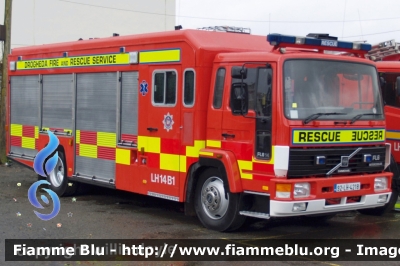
x=33, y=200
x=44, y=163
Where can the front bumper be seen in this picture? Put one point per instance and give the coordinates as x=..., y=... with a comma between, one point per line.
x=285, y=208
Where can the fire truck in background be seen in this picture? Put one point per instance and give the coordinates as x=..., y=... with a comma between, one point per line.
x=233, y=125
x=387, y=57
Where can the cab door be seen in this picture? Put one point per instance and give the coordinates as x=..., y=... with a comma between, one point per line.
x=249, y=134
x=161, y=132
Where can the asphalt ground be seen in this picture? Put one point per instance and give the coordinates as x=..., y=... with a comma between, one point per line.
x=109, y=214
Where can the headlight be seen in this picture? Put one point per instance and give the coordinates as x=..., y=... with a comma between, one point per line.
x=381, y=183
x=301, y=190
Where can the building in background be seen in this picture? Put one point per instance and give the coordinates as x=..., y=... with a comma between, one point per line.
x=36, y=22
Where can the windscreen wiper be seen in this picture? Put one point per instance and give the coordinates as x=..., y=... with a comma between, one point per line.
x=316, y=115
x=354, y=119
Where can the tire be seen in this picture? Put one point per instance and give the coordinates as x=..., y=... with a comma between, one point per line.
x=58, y=178
x=393, y=199
x=39, y=178
x=214, y=210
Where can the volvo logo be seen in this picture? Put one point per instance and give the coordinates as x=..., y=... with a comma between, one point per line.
x=344, y=162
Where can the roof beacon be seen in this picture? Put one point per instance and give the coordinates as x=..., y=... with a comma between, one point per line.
x=319, y=41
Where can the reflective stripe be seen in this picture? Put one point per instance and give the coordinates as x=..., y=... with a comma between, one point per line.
x=182, y=164
x=106, y=139
x=99, y=145
x=28, y=143
x=392, y=135
x=245, y=165
x=16, y=130
x=78, y=136
x=106, y=153
x=206, y=153
x=169, y=159
x=193, y=151
x=150, y=144
x=214, y=143
x=27, y=136
x=153, y=144
x=169, y=162
x=88, y=150
x=173, y=55
x=76, y=61
x=123, y=156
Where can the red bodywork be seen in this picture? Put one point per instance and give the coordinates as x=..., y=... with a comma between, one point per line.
x=204, y=52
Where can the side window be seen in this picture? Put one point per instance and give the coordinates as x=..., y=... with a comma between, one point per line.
x=164, y=88
x=258, y=83
x=219, y=88
x=251, y=86
x=188, y=88
x=388, y=84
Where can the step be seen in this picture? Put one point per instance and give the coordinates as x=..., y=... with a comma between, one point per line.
x=255, y=214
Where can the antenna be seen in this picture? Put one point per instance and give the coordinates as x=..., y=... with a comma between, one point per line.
x=344, y=16
x=269, y=24
x=359, y=19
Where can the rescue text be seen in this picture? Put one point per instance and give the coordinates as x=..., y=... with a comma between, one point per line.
x=337, y=136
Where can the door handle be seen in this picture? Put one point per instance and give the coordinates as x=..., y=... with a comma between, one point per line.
x=151, y=129
x=226, y=135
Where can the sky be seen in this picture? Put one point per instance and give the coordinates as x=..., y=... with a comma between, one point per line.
x=36, y=22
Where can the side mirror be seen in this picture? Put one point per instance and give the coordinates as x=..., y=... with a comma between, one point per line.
x=239, y=72
x=239, y=98
x=398, y=86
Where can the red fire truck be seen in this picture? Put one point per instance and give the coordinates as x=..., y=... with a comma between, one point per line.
x=387, y=57
x=233, y=125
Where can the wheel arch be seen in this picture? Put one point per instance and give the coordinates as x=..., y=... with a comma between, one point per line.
x=60, y=148
x=227, y=167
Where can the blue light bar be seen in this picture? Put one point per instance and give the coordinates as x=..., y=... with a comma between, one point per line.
x=275, y=39
x=365, y=46
x=278, y=39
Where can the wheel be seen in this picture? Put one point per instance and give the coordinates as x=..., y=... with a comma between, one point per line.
x=58, y=178
x=216, y=208
x=395, y=193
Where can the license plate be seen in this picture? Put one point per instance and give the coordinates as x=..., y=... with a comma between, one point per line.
x=329, y=43
x=347, y=187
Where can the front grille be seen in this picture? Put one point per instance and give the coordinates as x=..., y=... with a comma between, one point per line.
x=302, y=161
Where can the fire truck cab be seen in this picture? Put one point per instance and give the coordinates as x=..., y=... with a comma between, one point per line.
x=233, y=125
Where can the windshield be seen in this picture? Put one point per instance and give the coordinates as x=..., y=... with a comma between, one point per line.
x=332, y=90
